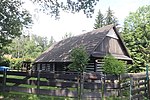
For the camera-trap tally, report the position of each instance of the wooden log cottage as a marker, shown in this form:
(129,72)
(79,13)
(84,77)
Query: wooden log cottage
(98,43)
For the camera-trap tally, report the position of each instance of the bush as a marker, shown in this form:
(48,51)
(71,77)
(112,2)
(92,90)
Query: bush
(15,63)
(28,59)
(4,62)
(113,66)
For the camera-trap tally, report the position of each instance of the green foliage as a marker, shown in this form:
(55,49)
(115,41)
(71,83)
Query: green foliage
(136,35)
(145,98)
(115,98)
(28,47)
(113,66)
(28,59)
(99,21)
(55,6)
(1,57)
(4,62)
(110,18)
(15,63)
(67,35)
(112,98)
(25,96)
(79,58)
(12,20)
(102,20)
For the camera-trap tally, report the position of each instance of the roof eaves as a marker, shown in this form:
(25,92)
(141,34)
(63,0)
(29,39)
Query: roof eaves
(121,41)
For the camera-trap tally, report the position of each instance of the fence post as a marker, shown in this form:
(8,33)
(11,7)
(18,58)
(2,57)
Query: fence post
(78,86)
(118,77)
(148,89)
(120,90)
(103,77)
(81,84)
(131,81)
(4,79)
(147,79)
(38,81)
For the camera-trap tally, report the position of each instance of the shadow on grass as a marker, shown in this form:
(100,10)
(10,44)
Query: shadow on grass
(24,96)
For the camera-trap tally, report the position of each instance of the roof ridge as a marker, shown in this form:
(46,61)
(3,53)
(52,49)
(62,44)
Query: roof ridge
(93,31)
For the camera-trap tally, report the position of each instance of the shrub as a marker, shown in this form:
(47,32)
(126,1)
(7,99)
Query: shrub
(113,66)
(15,63)
(4,62)
(28,59)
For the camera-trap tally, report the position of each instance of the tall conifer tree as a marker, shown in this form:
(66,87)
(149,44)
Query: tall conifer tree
(99,21)
(102,20)
(110,18)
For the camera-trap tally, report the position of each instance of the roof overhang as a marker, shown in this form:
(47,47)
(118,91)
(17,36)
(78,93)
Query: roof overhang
(117,56)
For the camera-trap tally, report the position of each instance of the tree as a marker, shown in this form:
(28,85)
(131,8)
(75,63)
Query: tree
(51,42)
(12,20)
(67,35)
(113,66)
(110,18)
(55,6)
(136,34)
(18,46)
(102,20)
(79,58)
(28,47)
(99,21)
(40,41)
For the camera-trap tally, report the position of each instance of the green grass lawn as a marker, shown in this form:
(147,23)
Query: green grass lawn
(25,96)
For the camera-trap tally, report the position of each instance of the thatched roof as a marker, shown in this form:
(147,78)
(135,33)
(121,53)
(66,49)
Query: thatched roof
(60,51)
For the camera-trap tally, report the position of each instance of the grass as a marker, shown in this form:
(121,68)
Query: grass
(16,77)
(25,96)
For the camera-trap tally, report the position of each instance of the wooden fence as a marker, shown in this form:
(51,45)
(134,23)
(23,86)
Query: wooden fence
(54,84)
(93,86)
(139,86)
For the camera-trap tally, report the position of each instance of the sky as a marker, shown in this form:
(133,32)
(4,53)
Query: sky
(46,26)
